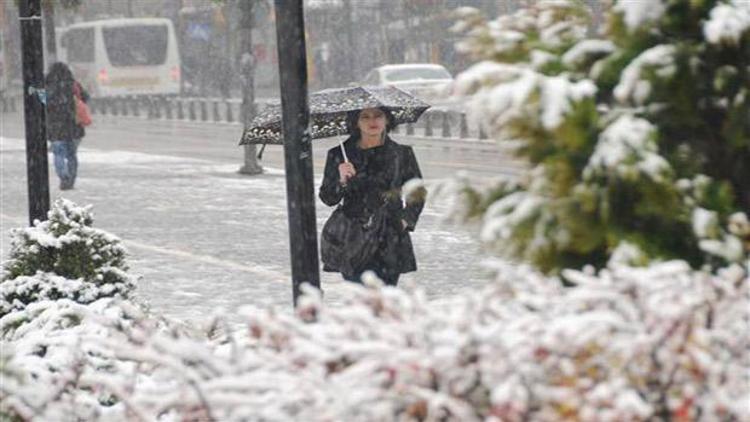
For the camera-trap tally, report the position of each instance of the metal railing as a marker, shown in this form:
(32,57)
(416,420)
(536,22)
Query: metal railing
(434,123)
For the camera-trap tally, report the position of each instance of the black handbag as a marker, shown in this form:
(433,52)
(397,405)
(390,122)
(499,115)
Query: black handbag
(348,244)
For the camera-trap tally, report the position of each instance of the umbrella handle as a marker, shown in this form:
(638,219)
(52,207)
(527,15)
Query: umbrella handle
(343,151)
(262,148)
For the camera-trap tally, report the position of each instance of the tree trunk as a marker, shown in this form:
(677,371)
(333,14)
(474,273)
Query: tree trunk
(247,78)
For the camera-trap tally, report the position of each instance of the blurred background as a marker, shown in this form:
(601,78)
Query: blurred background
(202,43)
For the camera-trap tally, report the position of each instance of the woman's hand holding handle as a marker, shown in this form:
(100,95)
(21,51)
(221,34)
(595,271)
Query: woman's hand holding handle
(346,172)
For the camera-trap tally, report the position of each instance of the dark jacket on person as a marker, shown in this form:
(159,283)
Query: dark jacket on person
(381,173)
(61,108)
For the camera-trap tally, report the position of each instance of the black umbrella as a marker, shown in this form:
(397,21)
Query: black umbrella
(329,109)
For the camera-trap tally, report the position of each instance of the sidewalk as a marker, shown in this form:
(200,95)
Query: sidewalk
(202,236)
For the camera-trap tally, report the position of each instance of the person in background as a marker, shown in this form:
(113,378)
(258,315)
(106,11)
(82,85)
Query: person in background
(365,176)
(63,131)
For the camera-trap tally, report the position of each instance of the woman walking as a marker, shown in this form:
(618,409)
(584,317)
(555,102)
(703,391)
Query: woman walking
(63,131)
(370,228)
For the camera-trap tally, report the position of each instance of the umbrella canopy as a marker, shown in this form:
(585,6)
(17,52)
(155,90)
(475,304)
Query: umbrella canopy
(329,109)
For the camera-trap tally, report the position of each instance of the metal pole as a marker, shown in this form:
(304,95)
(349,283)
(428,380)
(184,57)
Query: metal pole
(30,16)
(303,232)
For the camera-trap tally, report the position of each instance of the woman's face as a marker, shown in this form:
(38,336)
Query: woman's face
(371,122)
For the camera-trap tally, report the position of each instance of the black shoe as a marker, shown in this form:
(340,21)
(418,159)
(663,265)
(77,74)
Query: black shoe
(65,185)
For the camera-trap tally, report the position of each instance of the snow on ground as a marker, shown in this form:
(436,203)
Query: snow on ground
(203,237)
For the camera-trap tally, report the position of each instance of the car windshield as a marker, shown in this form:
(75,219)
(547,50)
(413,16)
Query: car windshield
(406,74)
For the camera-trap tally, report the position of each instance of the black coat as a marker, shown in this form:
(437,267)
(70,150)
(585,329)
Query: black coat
(61,108)
(381,172)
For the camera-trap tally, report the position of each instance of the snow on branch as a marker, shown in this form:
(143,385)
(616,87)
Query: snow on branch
(728,23)
(627,344)
(638,14)
(633,83)
(504,94)
(63,257)
(579,52)
(627,148)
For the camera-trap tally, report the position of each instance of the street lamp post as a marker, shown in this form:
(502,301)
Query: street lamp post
(303,236)
(30,16)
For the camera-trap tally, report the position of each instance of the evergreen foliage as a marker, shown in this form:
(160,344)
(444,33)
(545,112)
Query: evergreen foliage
(63,257)
(636,140)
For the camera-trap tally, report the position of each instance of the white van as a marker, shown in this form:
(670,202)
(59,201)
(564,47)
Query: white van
(112,57)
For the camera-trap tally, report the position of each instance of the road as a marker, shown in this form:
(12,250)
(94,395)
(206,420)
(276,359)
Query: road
(218,142)
(203,237)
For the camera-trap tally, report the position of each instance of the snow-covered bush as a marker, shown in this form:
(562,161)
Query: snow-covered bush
(663,343)
(63,257)
(628,137)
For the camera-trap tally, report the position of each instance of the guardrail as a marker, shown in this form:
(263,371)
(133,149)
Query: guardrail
(439,123)
(434,123)
(158,107)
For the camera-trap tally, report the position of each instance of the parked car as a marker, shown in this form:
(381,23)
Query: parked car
(426,80)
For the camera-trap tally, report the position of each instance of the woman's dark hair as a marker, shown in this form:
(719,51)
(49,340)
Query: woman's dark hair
(59,73)
(59,85)
(353,117)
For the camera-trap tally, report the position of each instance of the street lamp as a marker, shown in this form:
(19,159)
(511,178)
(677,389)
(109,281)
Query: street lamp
(30,16)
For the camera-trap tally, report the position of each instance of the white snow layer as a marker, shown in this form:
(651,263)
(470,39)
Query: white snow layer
(627,148)
(521,348)
(705,223)
(728,22)
(632,86)
(504,92)
(576,54)
(637,13)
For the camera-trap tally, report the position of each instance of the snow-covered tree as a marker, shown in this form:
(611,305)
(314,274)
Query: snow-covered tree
(663,343)
(63,257)
(638,141)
